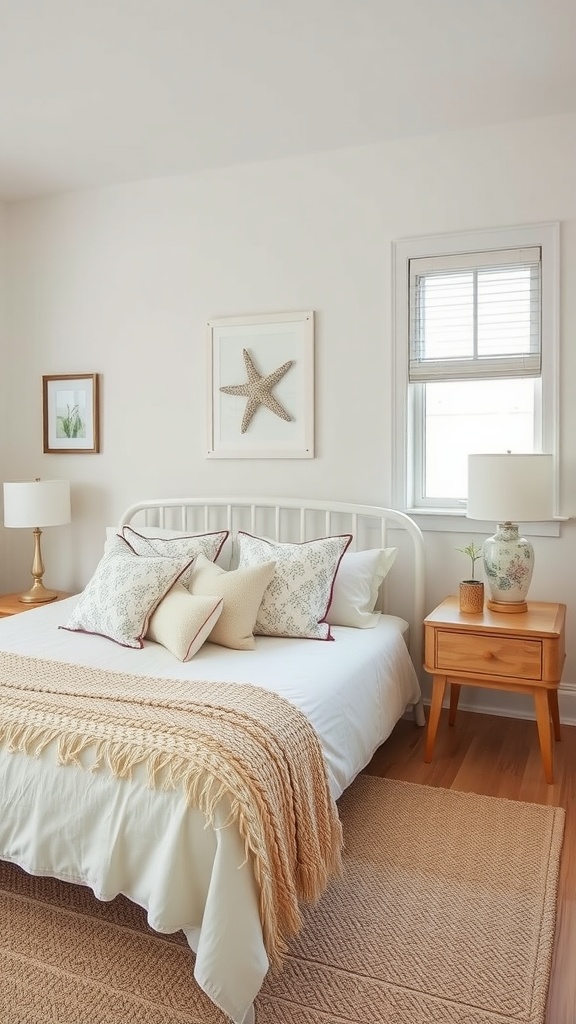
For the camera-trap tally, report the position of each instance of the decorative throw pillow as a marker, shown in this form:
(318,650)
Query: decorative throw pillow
(123,593)
(208,544)
(297,599)
(182,621)
(359,576)
(242,590)
(113,539)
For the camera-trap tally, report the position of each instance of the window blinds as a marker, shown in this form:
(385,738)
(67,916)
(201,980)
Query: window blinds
(475,315)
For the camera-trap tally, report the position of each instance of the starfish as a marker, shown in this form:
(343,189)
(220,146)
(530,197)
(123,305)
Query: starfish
(258,391)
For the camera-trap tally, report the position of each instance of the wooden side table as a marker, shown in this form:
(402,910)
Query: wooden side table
(523,653)
(10,605)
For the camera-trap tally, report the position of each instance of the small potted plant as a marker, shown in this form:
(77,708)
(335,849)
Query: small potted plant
(471,595)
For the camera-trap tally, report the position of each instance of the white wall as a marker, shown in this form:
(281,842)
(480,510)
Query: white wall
(4,384)
(122,280)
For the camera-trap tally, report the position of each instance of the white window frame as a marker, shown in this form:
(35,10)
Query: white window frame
(406,446)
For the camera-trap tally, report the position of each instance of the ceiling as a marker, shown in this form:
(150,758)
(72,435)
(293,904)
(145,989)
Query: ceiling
(100,91)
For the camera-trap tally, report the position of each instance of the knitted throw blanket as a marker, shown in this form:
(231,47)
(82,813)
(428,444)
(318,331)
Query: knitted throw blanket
(216,741)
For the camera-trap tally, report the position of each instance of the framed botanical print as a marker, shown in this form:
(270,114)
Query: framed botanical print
(70,413)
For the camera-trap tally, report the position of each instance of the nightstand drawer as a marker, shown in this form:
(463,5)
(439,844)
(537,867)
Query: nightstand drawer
(488,655)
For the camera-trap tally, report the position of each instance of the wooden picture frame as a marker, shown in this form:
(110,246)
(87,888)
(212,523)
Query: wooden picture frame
(70,413)
(247,419)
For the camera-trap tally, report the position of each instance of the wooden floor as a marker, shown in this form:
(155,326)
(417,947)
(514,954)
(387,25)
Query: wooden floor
(501,757)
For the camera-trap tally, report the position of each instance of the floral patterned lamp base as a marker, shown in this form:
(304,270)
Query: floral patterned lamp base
(508,564)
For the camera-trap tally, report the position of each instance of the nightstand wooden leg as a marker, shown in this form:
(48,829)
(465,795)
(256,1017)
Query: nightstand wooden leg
(438,689)
(554,712)
(454,698)
(544,732)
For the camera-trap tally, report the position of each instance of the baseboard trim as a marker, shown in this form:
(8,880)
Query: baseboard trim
(507,705)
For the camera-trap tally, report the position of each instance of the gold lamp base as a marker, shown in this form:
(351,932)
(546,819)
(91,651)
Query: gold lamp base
(507,606)
(37,595)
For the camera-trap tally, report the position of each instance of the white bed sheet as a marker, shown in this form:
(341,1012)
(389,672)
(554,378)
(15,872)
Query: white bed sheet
(117,836)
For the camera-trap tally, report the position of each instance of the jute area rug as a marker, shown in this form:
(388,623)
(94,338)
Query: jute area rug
(445,914)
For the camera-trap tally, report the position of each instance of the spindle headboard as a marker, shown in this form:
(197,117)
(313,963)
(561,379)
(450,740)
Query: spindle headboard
(297,519)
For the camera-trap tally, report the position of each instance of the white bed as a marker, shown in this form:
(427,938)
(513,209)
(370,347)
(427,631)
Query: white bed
(119,836)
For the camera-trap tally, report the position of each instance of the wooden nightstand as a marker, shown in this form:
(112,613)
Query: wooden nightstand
(522,652)
(10,605)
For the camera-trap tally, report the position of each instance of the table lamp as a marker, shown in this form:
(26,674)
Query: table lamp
(37,504)
(509,489)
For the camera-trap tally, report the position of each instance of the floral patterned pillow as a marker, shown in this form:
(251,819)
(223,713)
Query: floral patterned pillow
(297,599)
(207,544)
(123,593)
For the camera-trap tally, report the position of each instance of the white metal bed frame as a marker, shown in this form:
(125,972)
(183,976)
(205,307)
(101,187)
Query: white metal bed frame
(305,519)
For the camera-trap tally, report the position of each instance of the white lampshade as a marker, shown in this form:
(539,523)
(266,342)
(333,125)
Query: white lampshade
(510,488)
(37,503)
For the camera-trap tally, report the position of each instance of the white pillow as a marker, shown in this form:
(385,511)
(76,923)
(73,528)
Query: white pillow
(182,622)
(208,544)
(297,599)
(123,593)
(359,576)
(242,590)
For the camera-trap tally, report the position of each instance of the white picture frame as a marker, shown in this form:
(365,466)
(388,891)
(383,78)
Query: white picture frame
(243,349)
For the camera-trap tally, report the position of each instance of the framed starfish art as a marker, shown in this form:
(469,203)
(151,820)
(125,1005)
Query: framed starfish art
(261,387)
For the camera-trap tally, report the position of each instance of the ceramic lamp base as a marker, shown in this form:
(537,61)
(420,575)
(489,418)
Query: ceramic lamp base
(509,606)
(508,565)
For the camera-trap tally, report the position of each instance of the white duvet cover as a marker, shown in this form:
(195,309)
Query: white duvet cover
(118,836)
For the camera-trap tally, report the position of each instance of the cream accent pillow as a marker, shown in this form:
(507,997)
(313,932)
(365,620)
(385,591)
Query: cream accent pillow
(296,601)
(359,576)
(242,590)
(208,544)
(182,621)
(123,593)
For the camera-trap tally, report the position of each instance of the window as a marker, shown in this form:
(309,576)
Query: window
(476,355)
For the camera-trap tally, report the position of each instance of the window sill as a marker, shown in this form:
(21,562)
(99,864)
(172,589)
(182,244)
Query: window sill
(455,521)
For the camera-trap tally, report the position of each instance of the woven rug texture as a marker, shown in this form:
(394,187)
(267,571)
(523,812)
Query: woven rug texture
(445,915)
